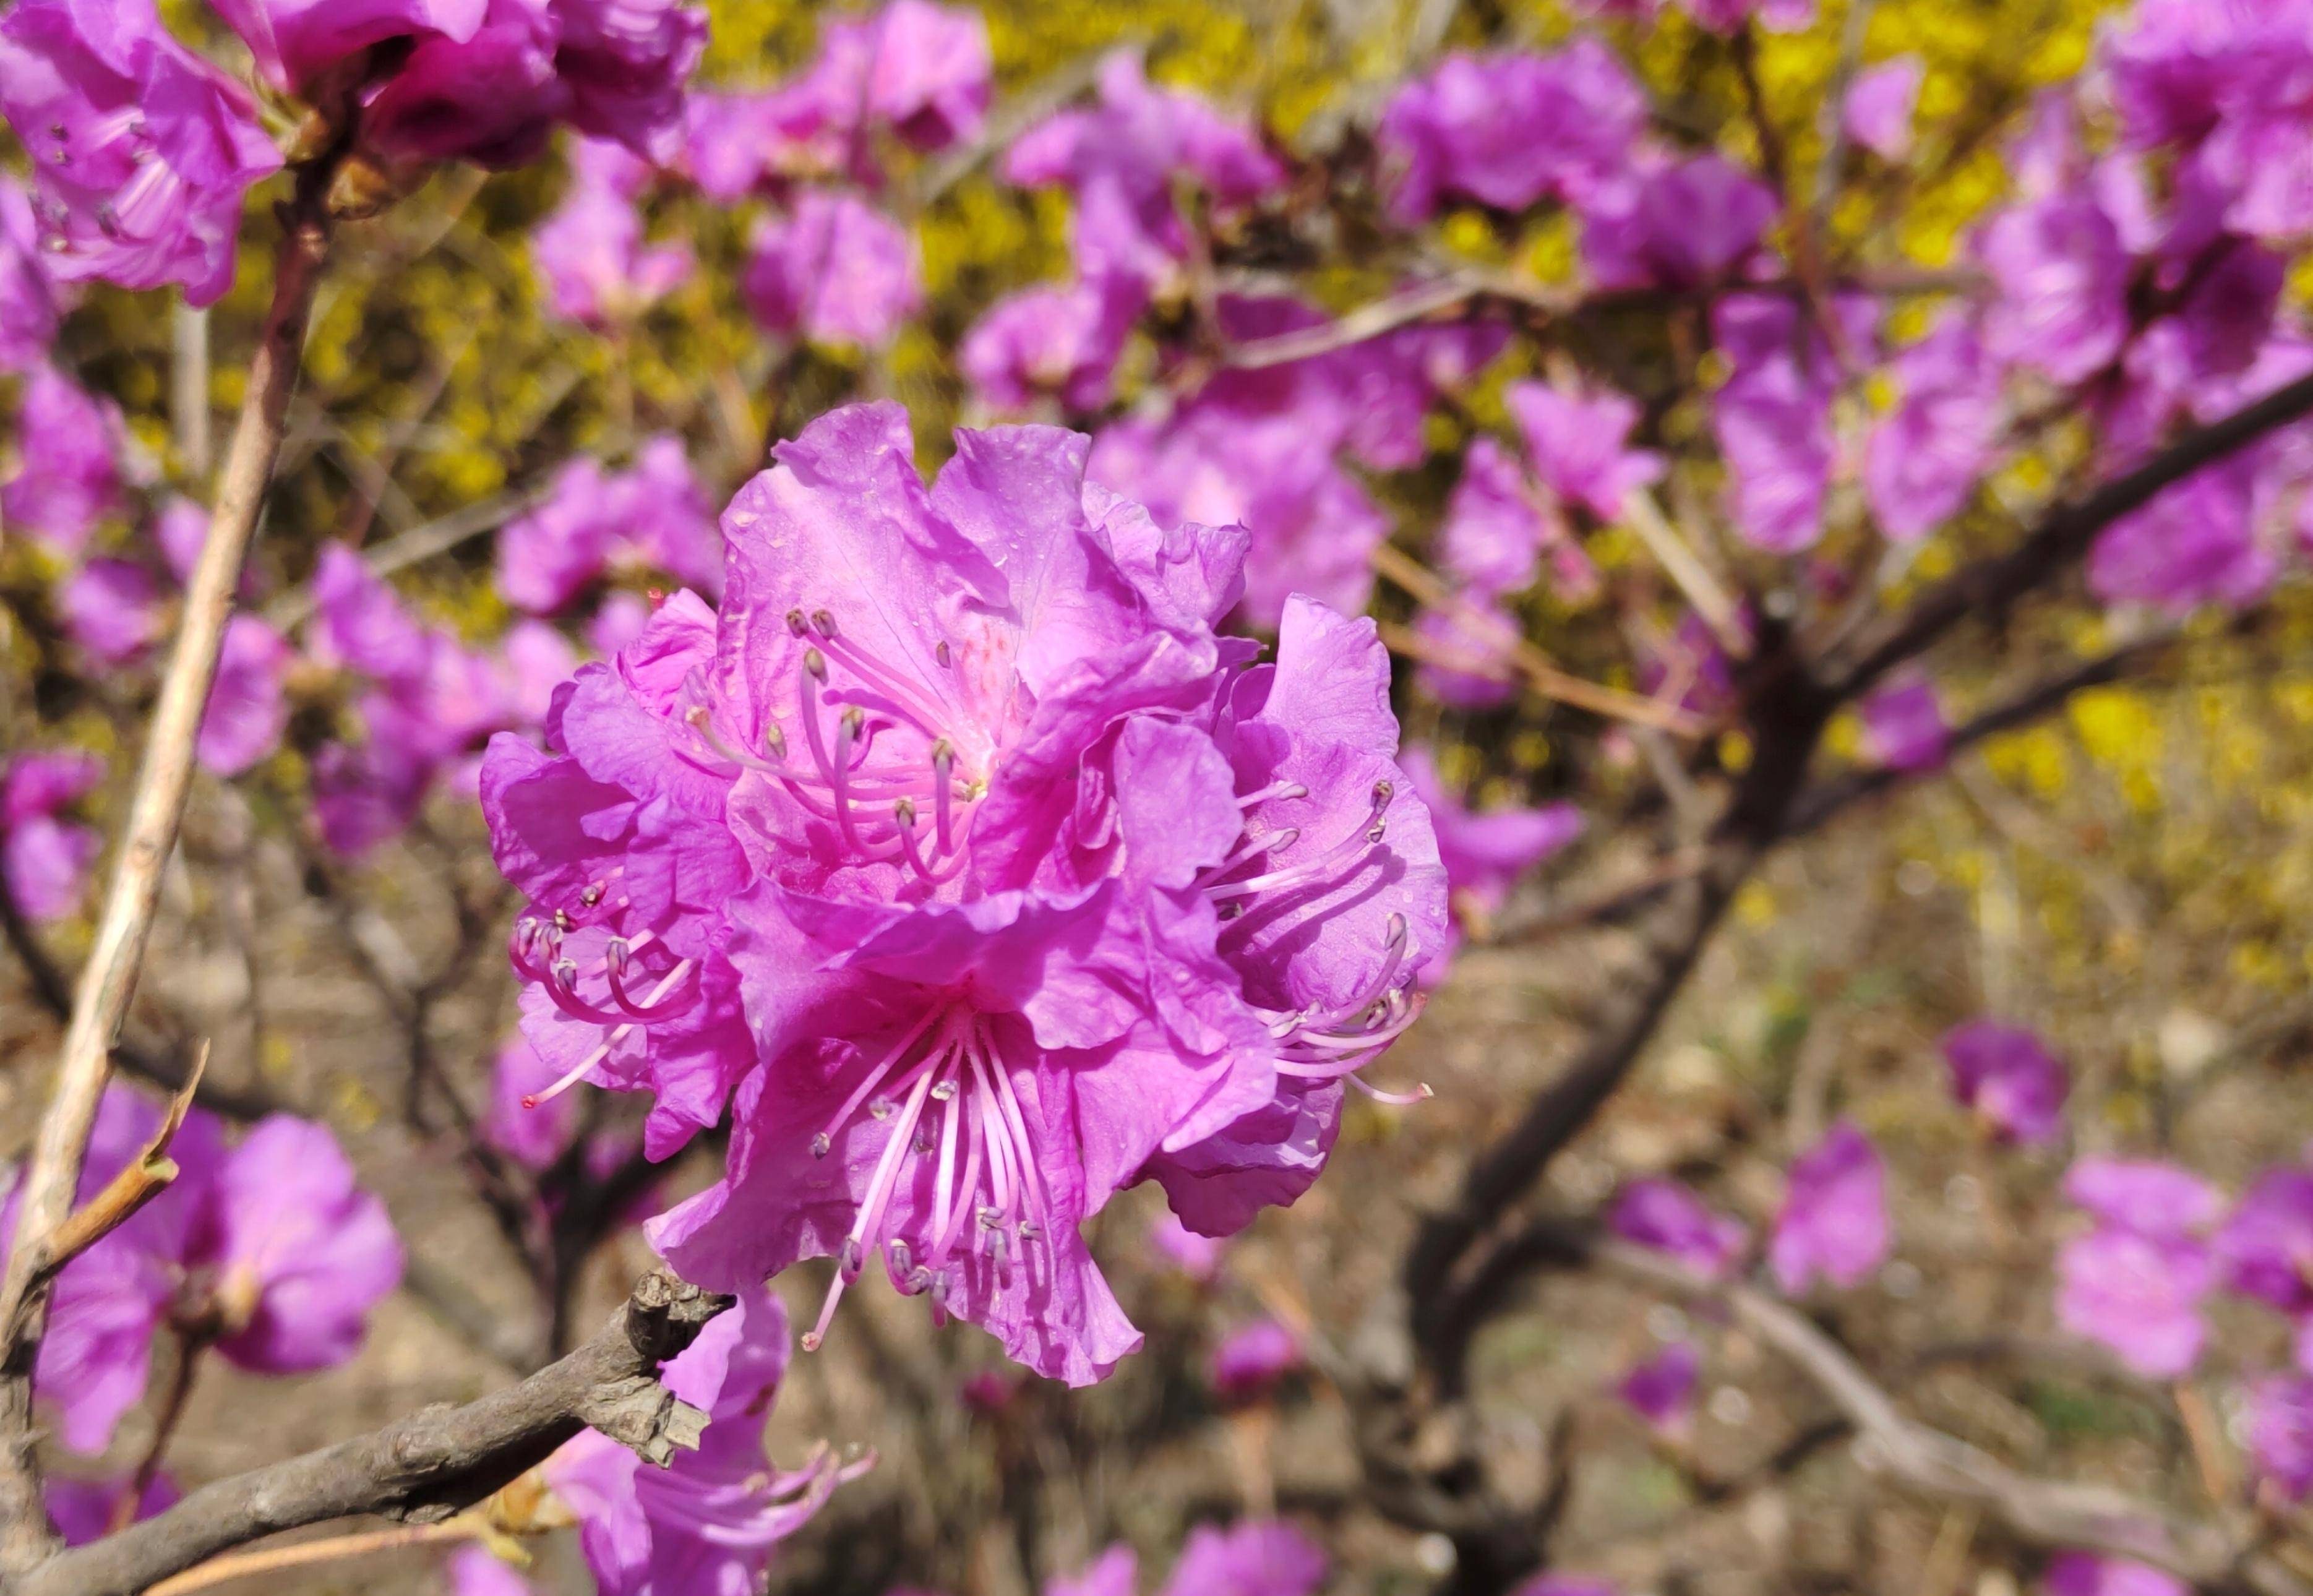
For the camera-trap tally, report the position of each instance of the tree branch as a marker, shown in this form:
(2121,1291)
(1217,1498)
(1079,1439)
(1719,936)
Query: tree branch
(427,1467)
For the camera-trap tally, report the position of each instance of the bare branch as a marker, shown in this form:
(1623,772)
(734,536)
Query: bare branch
(140,1180)
(430,1466)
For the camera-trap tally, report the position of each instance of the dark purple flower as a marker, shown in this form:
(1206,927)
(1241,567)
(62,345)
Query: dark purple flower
(295,1253)
(2078,1573)
(1052,340)
(623,64)
(709,1520)
(1834,1222)
(247,710)
(1661,1390)
(141,150)
(590,250)
(2009,1078)
(1673,223)
(112,609)
(2280,1433)
(1925,457)
(1249,1363)
(1578,445)
(1121,158)
(45,859)
(1506,129)
(30,302)
(296,41)
(1256,1558)
(834,269)
(71,444)
(1903,725)
(1877,114)
(1666,1216)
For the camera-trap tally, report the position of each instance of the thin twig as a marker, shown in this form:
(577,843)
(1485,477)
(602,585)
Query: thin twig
(1711,601)
(219,1571)
(139,1181)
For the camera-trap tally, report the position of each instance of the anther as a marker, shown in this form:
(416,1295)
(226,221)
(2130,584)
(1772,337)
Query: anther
(561,920)
(593,895)
(943,1091)
(943,654)
(816,662)
(854,718)
(1382,791)
(820,1144)
(883,1107)
(903,810)
(776,741)
(795,623)
(824,622)
(852,1260)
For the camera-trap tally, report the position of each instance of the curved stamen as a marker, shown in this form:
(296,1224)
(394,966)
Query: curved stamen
(562,986)
(1281,790)
(943,796)
(880,1186)
(825,1139)
(614,972)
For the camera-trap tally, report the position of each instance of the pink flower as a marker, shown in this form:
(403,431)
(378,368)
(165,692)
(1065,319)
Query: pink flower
(1486,853)
(1724,16)
(1491,540)
(30,301)
(71,444)
(623,64)
(1112,1573)
(83,1510)
(590,250)
(1673,223)
(1834,1222)
(2195,543)
(1506,129)
(1773,420)
(1119,159)
(296,41)
(1877,114)
(1197,1256)
(2061,276)
(1468,662)
(2078,1574)
(294,1252)
(709,1520)
(45,859)
(2280,1433)
(1251,1362)
(945,798)
(247,710)
(1661,1390)
(1052,340)
(528,1130)
(1666,1216)
(2009,1078)
(475,1571)
(539,658)
(1578,444)
(651,516)
(1925,457)
(2267,1245)
(1257,1557)
(359,623)
(835,269)
(112,609)
(1903,725)
(141,150)
(2135,1282)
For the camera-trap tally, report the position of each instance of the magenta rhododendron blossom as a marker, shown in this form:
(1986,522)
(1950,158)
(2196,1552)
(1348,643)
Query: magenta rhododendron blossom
(70,444)
(835,270)
(2266,1245)
(1878,111)
(1467,653)
(475,1571)
(296,41)
(598,271)
(709,1520)
(1925,457)
(1062,341)
(44,858)
(111,608)
(359,623)
(1121,158)
(1256,1558)
(141,150)
(1579,445)
(2009,1078)
(1903,725)
(1665,222)
(1506,129)
(1834,1223)
(1030,887)
(1490,541)
(294,1252)
(652,516)
(2280,1410)
(1197,1256)
(2195,543)
(2079,1573)
(528,1129)
(2060,276)
(2135,1282)
(1773,417)
(1667,1217)
(1661,1390)
(1249,1363)
(248,710)
(1724,16)
(83,1510)
(31,300)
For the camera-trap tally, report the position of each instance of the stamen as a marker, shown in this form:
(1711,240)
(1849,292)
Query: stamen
(1280,790)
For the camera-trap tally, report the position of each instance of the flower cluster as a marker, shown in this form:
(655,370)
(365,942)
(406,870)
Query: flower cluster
(987,876)
(266,1251)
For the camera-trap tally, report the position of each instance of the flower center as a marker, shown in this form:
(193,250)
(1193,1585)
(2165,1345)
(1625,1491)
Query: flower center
(623,983)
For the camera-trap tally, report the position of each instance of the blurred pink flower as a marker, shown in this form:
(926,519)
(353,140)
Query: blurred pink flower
(1062,340)
(1925,457)
(1903,725)
(1667,1217)
(1579,445)
(45,859)
(247,710)
(2135,1282)
(1254,1558)
(2078,1573)
(2008,1077)
(30,301)
(1834,1222)
(590,250)
(834,269)
(1251,1362)
(1661,1390)
(111,608)
(70,444)
(1877,113)
(1506,129)
(2279,1408)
